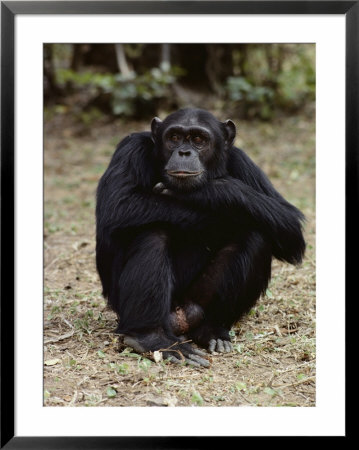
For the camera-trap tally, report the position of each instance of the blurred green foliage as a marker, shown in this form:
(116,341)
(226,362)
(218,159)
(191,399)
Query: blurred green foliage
(127,93)
(259,81)
(296,82)
(257,98)
(275,77)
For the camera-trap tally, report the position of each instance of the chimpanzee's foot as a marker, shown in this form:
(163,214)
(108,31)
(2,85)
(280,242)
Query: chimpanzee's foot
(171,347)
(214,339)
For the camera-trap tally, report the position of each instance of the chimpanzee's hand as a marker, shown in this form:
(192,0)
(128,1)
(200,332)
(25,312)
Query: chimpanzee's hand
(160,188)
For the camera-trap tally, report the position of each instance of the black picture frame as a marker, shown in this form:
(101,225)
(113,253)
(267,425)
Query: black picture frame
(9,10)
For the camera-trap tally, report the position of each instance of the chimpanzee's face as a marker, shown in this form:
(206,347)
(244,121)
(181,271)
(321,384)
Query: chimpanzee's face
(189,143)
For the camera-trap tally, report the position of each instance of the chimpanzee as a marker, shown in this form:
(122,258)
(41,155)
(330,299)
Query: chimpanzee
(187,226)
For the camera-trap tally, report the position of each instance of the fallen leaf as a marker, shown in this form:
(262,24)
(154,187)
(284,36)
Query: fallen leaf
(52,362)
(157,356)
(111,393)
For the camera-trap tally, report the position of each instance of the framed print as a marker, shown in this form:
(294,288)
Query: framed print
(281,80)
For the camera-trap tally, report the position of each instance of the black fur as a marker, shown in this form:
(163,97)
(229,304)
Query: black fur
(210,243)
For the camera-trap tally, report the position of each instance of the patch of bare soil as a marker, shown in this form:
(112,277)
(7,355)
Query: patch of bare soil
(85,364)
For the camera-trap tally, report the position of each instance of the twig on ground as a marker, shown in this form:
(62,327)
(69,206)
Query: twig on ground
(297,383)
(59,338)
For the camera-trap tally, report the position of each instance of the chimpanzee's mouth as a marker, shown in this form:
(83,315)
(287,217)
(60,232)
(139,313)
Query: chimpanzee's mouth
(183,173)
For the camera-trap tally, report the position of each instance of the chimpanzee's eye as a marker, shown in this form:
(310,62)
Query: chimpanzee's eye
(174,140)
(198,141)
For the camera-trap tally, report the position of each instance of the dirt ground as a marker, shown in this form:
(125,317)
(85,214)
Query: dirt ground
(273,362)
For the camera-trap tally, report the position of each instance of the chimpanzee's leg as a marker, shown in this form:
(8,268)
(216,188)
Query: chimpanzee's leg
(141,296)
(144,286)
(228,287)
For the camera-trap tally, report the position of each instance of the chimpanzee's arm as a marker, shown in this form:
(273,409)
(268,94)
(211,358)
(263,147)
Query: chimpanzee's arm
(277,218)
(246,191)
(135,209)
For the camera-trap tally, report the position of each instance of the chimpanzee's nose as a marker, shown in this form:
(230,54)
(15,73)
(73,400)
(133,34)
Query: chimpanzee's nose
(184,152)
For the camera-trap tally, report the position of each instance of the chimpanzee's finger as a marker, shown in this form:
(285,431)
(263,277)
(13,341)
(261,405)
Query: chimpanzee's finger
(228,347)
(198,352)
(203,362)
(192,363)
(158,188)
(212,345)
(220,347)
(174,360)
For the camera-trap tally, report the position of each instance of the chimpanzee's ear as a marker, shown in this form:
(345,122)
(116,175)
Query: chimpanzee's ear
(156,122)
(230,130)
